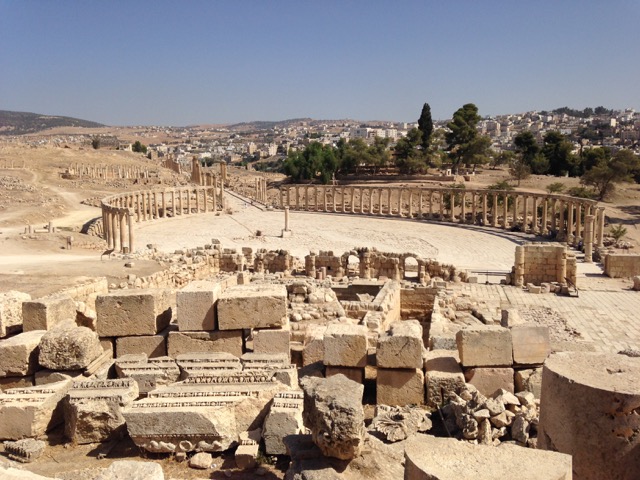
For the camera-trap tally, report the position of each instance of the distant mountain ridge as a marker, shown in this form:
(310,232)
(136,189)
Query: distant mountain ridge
(20,123)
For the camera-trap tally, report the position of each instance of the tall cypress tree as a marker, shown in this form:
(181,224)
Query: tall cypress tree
(425,124)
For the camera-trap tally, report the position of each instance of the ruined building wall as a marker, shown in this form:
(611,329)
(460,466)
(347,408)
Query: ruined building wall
(544,263)
(621,265)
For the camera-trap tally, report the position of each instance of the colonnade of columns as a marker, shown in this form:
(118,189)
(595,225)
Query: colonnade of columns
(111,171)
(120,212)
(261,190)
(566,217)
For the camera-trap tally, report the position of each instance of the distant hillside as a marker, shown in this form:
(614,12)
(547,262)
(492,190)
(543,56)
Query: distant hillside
(19,123)
(264,125)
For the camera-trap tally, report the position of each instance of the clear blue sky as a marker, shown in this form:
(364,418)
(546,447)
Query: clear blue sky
(187,62)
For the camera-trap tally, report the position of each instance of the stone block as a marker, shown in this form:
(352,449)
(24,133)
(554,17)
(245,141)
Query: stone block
(345,345)
(313,345)
(93,409)
(207,364)
(272,341)
(17,382)
(148,373)
(284,418)
(531,344)
(69,347)
(31,411)
(11,312)
(151,345)
(433,458)
(485,346)
(131,470)
(195,306)
(133,312)
(529,380)
(443,375)
(352,373)
(19,354)
(399,387)
(46,376)
(229,341)
(43,313)
(487,380)
(252,306)
(401,346)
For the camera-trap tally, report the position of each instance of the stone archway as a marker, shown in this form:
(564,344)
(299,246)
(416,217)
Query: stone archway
(353,266)
(411,268)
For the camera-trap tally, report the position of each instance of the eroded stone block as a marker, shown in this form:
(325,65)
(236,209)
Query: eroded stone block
(19,354)
(443,375)
(133,312)
(229,341)
(284,418)
(148,373)
(352,373)
(401,346)
(485,346)
(207,364)
(399,387)
(272,341)
(487,379)
(252,306)
(151,345)
(69,347)
(195,305)
(43,313)
(11,312)
(345,345)
(531,344)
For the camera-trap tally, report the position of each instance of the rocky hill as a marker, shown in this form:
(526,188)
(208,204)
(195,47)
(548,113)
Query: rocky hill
(20,123)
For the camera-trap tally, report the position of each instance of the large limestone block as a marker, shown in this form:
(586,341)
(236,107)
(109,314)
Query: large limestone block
(352,373)
(528,380)
(284,418)
(19,354)
(10,473)
(313,344)
(485,346)
(434,458)
(69,347)
(44,313)
(345,345)
(132,470)
(195,305)
(31,411)
(531,344)
(589,410)
(333,412)
(17,382)
(133,312)
(272,341)
(401,346)
(252,306)
(229,341)
(488,380)
(93,409)
(443,376)
(151,345)
(399,387)
(11,312)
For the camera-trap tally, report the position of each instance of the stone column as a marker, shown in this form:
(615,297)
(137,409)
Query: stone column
(505,223)
(282,197)
(400,206)
(122,232)
(316,195)
(474,208)
(452,205)
(494,213)
(588,238)
(205,192)
(570,228)
(214,197)
(108,229)
(144,206)
(131,238)
(156,205)
(197,191)
(137,194)
(561,231)
(600,229)
(485,220)
(516,204)
(518,279)
(370,190)
(352,194)
(534,216)
(463,208)
(297,190)
(420,207)
(286,219)
(333,191)
(114,228)
(441,194)
(173,202)
(431,192)
(578,234)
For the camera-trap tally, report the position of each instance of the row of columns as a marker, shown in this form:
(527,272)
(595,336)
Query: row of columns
(538,214)
(120,212)
(261,189)
(115,172)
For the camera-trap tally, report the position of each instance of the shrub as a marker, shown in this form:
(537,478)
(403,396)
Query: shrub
(555,187)
(581,192)
(618,232)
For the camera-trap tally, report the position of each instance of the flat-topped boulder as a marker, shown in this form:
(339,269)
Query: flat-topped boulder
(433,458)
(93,409)
(19,354)
(133,312)
(195,305)
(334,413)
(252,306)
(589,410)
(31,411)
(11,312)
(69,347)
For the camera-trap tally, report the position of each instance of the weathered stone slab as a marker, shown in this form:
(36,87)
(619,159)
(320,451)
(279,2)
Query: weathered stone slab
(401,346)
(252,306)
(19,354)
(17,382)
(485,346)
(196,306)
(11,312)
(43,313)
(252,360)
(352,373)
(399,387)
(93,409)
(313,350)
(26,450)
(203,364)
(284,418)
(69,347)
(151,345)
(229,341)
(345,345)
(31,411)
(433,458)
(132,470)
(272,341)
(46,376)
(333,412)
(531,344)
(10,473)
(443,375)
(149,374)
(133,312)
(487,380)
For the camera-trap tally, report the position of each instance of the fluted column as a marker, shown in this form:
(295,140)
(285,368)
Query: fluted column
(562,229)
(297,190)
(156,204)
(516,204)
(108,229)
(343,191)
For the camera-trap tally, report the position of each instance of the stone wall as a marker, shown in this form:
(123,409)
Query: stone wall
(621,265)
(538,263)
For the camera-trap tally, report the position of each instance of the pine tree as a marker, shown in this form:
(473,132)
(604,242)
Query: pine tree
(425,124)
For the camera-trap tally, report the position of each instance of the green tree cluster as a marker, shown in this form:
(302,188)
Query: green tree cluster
(607,171)
(316,161)
(139,147)
(466,146)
